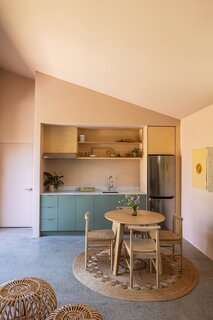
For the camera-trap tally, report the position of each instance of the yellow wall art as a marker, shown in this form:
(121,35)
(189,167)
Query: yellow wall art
(199,159)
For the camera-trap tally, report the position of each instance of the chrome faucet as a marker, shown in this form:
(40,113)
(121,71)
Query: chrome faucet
(110,183)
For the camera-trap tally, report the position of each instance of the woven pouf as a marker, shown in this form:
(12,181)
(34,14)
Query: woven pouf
(26,298)
(75,312)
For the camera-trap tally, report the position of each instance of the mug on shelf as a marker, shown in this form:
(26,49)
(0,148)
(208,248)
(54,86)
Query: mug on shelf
(82,137)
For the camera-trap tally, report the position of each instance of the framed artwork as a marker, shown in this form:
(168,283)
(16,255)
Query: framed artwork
(199,167)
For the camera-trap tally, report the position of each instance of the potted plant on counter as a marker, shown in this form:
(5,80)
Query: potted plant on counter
(52,181)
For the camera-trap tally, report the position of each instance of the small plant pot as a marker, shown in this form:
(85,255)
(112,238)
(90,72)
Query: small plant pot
(51,188)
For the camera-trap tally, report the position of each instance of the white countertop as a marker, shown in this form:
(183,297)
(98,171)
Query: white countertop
(98,191)
(73,192)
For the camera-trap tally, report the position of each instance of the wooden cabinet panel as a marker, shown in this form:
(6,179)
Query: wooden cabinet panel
(60,139)
(66,213)
(83,204)
(161,140)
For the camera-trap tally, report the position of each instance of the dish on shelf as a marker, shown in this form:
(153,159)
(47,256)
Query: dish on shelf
(86,189)
(92,155)
(102,151)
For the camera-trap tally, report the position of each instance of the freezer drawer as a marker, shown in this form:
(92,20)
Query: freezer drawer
(164,206)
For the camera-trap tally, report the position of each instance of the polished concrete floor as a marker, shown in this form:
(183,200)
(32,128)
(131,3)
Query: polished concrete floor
(51,258)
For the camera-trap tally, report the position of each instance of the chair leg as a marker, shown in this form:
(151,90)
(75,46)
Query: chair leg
(111,254)
(160,268)
(125,261)
(157,271)
(181,255)
(86,254)
(86,257)
(173,251)
(150,265)
(131,272)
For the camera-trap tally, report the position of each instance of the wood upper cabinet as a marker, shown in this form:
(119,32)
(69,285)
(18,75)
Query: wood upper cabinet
(60,139)
(161,140)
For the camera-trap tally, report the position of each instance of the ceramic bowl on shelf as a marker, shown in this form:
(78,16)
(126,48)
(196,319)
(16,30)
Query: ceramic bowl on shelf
(92,155)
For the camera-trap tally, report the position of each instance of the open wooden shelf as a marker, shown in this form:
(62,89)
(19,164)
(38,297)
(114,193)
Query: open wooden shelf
(109,158)
(110,142)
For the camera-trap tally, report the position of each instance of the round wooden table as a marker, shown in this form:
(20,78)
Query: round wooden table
(120,218)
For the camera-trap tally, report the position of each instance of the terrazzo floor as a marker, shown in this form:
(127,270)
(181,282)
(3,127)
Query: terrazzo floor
(51,258)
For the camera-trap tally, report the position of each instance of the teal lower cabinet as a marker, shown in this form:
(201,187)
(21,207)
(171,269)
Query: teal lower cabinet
(142,204)
(66,213)
(102,204)
(117,201)
(83,204)
(49,213)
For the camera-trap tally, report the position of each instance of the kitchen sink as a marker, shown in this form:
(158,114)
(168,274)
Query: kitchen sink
(109,191)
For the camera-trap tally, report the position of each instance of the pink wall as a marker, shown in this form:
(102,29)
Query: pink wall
(197,204)
(60,102)
(17,108)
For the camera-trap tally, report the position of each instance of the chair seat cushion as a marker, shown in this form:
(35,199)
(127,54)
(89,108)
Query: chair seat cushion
(101,235)
(141,245)
(167,235)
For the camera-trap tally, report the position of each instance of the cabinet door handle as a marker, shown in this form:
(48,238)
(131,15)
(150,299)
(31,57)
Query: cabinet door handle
(50,218)
(50,207)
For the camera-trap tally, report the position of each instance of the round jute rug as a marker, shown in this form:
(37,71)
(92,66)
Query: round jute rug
(173,283)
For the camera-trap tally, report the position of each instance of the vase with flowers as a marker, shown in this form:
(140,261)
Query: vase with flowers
(133,201)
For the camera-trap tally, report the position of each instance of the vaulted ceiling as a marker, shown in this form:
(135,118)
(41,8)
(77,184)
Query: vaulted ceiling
(156,54)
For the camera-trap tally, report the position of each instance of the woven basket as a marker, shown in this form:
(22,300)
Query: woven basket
(27,298)
(75,312)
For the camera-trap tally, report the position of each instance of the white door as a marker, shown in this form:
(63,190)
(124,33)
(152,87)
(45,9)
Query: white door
(16,180)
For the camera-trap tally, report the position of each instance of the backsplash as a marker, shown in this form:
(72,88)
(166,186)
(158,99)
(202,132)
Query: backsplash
(96,172)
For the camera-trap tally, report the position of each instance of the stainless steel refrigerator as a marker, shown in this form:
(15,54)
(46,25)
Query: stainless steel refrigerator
(161,188)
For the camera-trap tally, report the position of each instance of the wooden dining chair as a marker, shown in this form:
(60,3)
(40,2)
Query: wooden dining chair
(98,238)
(143,248)
(171,238)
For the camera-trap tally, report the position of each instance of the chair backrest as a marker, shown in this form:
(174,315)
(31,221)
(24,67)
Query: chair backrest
(152,231)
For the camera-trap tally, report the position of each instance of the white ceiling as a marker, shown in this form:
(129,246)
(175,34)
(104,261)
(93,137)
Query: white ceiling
(155,53)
